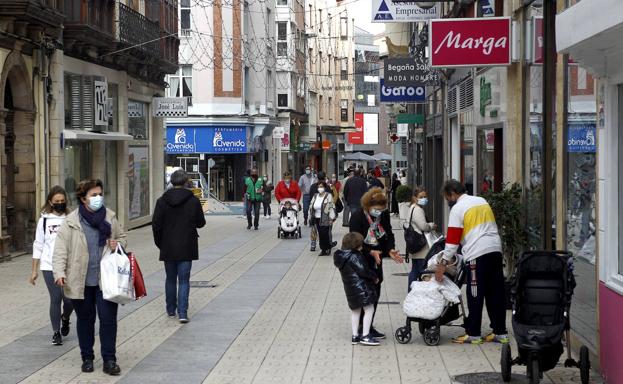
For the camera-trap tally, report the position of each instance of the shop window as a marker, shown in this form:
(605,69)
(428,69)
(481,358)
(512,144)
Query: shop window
(138,120)
(185,17)
(77,164)
(282,38)
(138,181)
(344,110)
(87,97)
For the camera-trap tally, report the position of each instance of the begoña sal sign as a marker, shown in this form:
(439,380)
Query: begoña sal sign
(470,42)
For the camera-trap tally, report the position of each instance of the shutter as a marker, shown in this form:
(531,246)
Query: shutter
(452,101)
(87,102)
(76,102)
(467,93)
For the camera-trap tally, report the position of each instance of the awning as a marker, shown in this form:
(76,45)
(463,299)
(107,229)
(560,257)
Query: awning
(78,134)
(383,156)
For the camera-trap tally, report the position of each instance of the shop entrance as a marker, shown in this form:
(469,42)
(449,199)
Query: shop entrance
(490,160)
(17,143)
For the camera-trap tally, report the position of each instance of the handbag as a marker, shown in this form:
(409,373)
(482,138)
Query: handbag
(414,240)
(339,206)
(137,277)
(116,276)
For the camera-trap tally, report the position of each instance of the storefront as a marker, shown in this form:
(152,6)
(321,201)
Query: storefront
(585,42)
(229,146)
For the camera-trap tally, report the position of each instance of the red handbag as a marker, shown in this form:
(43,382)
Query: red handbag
(137,277)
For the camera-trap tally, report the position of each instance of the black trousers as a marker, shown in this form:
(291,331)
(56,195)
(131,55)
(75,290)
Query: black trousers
(324,237)
(485,283)
(255,206)
(266,205)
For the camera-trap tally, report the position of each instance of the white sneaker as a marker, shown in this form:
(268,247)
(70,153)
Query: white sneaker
(268,217)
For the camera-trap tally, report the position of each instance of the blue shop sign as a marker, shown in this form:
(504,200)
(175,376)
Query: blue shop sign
(206,139)
(404,94)
(581,138)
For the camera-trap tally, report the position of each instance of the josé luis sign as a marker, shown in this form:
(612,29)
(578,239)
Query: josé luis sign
(470,42)
(403,94)
(206,140)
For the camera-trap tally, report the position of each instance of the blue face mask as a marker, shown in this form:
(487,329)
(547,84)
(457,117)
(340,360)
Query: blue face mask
(96,202)
(376,212)
(423,201)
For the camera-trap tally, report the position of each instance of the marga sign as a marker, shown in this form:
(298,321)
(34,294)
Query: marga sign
(470,42)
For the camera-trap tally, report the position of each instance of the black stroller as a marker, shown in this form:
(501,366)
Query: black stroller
(430,329)
(541,297)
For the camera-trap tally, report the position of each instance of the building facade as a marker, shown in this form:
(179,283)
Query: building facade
(77,85)
(227,73)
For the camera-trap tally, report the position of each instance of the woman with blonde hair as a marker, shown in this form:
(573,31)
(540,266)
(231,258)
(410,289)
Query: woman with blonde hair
(372,221)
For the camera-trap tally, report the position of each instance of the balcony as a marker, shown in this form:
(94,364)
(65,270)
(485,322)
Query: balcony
(136,31)
(27,18)
(89,24)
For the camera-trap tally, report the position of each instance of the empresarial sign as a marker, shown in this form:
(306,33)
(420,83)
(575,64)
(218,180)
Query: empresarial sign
(400,11)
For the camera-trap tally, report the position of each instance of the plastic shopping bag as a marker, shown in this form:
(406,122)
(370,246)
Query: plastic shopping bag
(116,277)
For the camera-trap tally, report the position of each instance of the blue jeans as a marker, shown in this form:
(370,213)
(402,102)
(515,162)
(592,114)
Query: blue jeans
(177,299)
(306,201)
(417,266)
(107,312)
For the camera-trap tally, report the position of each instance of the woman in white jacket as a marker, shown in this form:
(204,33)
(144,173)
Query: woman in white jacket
(418,221)
(53,215)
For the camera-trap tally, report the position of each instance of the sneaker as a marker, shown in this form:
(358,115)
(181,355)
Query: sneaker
(111,368)
(65,325)
(87,365)
(369,340)
(466,339)
(268,217)
(376,334)
(355,339)
(57,339)
(184,319)
(312,249)
(492,337)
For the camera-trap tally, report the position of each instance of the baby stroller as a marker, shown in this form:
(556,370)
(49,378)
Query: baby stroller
(430,329)
(289,219)
(541,297)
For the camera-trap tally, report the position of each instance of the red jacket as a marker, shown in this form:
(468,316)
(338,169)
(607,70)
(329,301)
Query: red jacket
(283,192)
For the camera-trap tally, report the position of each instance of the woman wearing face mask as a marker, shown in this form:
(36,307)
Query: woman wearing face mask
(53,215)
(287,188)
(373,223)
(418,221)
(322,213)
(78,251)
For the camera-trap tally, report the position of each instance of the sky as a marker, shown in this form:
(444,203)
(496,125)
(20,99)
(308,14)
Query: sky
(362,12)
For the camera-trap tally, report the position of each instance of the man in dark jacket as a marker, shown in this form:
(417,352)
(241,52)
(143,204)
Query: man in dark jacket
(354,189)
(177,216)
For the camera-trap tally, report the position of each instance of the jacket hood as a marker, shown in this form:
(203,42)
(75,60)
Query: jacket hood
(340,257)
(177,196)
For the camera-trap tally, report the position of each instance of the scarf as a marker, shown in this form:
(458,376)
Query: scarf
(97,220)
(375,232)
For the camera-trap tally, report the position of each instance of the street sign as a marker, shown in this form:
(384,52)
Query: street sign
(400,11)
(470,42)
(409,118)
(407,71)
(403,94)
(170,106)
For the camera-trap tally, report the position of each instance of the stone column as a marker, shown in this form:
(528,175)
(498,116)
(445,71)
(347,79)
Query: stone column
(5,239)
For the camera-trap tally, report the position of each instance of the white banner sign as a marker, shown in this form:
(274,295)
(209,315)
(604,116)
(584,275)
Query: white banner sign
(170,107)
(397,11)
(278,133)
(101,103)
(402,130)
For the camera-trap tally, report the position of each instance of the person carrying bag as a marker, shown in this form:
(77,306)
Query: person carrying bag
(415,234)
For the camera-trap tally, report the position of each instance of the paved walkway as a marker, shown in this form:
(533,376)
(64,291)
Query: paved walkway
(277,315)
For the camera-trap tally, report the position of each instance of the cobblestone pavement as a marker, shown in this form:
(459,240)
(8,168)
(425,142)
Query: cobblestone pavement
(277,315)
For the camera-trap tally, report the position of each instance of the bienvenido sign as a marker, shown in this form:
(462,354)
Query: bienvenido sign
(470,42)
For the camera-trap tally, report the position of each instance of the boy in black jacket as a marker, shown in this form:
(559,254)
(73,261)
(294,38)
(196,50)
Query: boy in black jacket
(359,281)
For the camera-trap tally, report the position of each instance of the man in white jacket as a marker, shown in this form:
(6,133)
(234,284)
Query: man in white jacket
(472,225)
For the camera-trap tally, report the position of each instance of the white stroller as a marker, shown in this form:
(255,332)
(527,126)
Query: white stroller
(289,219)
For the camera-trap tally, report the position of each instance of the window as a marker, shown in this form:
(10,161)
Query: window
(77,164)
(185,17)
(320,20)
(282,2)
(282,38)
(181,84)
(344,110)
(138,120)
(138,184)
(344,27)
(282,100)
(330,62)
(330,108)
(344,69)
(80,103)
(321,107)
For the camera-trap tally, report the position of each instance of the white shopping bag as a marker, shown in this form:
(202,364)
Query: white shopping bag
(116,279)
(432,237)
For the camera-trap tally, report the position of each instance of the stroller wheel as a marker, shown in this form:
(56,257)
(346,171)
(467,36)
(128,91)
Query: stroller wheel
(278,233)
(585,365)
(506,362)
(421,327)
(432,336)
(534,371)
(403,335)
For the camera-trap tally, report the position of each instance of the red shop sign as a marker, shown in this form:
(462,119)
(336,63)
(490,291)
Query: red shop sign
(476,42)
(357,137)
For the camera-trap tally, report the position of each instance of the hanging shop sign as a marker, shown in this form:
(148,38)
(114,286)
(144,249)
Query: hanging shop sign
(367,129)
(402,94)
(399,11)
(581,138)
(170,106)
(100,102)
(408,71)
(206,140)
(470,42)
(486,8)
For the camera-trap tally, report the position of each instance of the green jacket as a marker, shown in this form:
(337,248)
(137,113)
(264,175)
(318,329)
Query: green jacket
(255,191)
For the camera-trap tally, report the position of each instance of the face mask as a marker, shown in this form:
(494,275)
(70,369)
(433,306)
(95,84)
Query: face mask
(376,212)
(423,201)
(321,190)
(96,202)
(307,171)
(59,207)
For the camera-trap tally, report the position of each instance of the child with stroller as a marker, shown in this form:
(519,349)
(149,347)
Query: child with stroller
(359,281)
(287,206)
